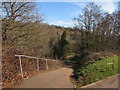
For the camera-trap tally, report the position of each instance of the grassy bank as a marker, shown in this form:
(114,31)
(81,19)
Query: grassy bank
(96,71)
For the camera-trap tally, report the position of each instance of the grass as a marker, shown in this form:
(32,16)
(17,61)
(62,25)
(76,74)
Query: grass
(96,71)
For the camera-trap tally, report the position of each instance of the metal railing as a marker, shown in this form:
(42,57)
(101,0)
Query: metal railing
(20,59)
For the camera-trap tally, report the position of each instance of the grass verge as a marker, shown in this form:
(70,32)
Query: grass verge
(98,70)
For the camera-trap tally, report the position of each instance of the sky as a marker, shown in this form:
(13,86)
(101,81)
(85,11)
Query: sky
(62,13)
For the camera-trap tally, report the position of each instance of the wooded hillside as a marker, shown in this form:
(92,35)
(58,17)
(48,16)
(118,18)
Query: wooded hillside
(95,33)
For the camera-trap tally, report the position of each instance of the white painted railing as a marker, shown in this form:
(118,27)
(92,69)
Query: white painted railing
(20,59)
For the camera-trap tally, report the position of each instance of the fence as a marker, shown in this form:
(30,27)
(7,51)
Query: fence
(37,61)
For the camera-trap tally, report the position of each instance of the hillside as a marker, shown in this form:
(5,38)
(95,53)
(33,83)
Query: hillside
(80,41)
(38,39)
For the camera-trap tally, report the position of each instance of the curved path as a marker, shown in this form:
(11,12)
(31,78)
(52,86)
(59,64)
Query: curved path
(59,78)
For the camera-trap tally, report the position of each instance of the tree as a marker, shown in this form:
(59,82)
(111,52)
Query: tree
(89,18)
(88,22)
(60,47)
(99,30)
(15,13)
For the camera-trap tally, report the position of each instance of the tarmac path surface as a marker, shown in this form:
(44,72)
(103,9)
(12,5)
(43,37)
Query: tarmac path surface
(59,78)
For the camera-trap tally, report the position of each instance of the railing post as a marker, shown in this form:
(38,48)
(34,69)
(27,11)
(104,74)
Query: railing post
(38,65)
(113,64)
(46,65)
(21,67)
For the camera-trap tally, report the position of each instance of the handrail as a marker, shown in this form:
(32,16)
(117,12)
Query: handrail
(26,56)
(34,57)
(20,59)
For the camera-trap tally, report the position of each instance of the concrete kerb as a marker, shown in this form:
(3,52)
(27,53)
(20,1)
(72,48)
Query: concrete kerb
(100,81)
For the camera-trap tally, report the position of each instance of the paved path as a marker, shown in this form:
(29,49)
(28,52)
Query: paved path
(111,82)
(53,79)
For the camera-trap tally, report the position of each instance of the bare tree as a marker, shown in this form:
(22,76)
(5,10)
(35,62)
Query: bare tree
(89,18)
(100,30)
(16,12)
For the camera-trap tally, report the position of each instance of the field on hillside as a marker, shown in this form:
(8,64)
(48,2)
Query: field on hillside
(96,71)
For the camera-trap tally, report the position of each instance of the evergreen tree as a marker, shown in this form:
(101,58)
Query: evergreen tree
(60,47)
